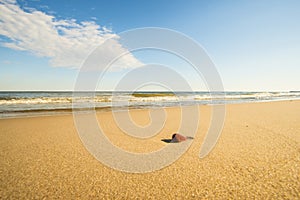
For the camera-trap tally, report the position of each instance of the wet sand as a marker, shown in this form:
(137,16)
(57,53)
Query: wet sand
(257,156)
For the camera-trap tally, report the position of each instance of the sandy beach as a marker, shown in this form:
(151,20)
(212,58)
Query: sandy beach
(257,156)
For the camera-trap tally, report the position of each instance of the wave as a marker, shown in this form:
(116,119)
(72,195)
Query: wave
(16,103)
(47,100)
(147,97)
(152,94)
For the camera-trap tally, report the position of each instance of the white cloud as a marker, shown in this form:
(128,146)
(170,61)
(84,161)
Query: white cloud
(66,42)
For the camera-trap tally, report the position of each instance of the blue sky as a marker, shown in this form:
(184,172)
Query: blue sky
(255,45)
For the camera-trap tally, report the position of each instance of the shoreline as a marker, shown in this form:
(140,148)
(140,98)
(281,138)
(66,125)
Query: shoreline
(69,111)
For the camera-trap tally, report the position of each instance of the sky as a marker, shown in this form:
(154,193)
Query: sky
(255,45)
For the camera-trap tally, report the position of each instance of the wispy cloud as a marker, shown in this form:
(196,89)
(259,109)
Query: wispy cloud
(66,42)
(7,62)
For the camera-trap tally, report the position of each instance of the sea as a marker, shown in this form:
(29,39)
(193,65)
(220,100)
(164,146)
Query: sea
(38,103)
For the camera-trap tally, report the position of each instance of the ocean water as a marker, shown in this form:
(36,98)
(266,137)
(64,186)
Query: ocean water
(16,104)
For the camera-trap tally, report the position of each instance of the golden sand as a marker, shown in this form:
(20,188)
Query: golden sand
(257,156)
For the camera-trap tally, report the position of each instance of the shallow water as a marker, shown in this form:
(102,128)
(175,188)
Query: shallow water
(13,104)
